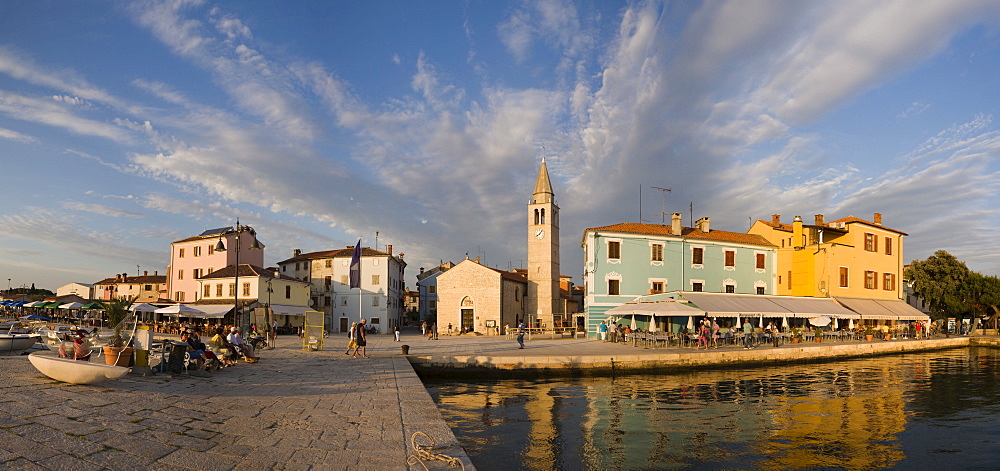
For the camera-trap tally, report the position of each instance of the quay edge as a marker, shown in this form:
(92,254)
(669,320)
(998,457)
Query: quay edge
(651,361)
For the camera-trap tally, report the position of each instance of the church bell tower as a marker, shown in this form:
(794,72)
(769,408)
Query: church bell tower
(543,306)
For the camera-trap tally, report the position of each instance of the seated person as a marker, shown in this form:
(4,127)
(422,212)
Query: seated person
(223,348)
(197,355)
(237,340)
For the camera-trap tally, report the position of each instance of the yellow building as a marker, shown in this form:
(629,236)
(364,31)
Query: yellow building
(849,257)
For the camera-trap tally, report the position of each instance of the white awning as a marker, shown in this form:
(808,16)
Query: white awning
(661,308)
(734,305)
(211,311)
(883,309)
(286,310)
(813,307)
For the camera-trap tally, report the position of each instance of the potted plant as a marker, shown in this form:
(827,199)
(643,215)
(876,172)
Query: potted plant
(869,333)
(796,335)
(818,333)
(116,352)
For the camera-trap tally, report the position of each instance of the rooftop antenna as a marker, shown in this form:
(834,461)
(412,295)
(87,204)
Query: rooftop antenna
(663,204)
(691,212)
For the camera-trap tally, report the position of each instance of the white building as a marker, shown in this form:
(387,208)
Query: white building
(83,290)
(427,287)
(380,299)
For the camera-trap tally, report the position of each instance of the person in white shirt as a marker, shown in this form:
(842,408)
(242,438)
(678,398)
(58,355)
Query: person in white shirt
(237,340)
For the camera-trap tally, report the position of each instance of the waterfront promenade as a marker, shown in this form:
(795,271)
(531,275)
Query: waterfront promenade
(300,409)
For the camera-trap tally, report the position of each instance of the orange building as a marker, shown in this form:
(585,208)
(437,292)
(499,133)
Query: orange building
(849,257)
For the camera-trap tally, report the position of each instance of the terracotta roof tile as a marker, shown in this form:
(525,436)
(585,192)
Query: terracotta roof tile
(245,270)
(345,252)
(852,219)
(686,232)
(145,279)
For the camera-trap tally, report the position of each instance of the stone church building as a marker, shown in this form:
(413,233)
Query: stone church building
(475,298)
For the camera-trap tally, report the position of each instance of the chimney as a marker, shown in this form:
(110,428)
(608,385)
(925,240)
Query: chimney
(775,219)
(118,277)
(154,272)
(703,224)
(124,277)
(388,248)
(797,236)
(145,273)
(675,224)
(878,218)
(297,252)
(421,270)
(819,219)
(477,258)
(350,246)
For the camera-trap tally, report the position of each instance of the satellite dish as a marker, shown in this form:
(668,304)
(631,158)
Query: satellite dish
(311,301)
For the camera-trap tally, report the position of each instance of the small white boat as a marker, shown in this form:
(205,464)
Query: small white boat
(15,344)
(75,371)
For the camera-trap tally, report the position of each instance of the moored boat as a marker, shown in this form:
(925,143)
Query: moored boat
(75,371)
(15,344)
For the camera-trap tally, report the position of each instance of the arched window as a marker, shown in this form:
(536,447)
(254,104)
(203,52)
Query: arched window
(467,302)
(543,216)
(536,216)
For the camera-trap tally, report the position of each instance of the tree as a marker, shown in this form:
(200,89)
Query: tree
(982,292)
(941,281)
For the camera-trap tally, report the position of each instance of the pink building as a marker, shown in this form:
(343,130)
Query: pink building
(196,256)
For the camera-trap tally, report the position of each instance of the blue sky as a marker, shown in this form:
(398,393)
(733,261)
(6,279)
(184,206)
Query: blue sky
(125,126)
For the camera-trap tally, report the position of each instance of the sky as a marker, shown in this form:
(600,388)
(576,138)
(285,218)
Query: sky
(125,126)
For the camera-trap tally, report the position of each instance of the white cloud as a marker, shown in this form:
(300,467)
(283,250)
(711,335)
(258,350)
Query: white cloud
(101,209)
(15,136)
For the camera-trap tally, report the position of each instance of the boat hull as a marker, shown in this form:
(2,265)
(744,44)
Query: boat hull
(15,344)
(75,371)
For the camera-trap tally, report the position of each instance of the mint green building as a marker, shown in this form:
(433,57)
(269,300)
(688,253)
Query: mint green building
(626,261)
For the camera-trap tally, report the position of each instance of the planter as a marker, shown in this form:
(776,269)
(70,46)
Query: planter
(118,356)
(818,339)
(869,337)
(796,339)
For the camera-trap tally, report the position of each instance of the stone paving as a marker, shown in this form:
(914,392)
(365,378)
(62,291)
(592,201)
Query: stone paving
(293,410)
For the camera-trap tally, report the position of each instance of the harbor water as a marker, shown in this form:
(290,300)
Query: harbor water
(936,410)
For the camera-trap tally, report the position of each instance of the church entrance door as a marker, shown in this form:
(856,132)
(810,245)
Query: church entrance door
(467,323)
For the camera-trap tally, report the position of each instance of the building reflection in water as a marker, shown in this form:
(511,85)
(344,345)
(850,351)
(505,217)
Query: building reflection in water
(847,415)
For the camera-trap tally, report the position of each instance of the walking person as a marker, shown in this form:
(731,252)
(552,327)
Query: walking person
(360,338)
(603,329)
(520,335)
(350,339)
(423,328)
(395,331)
(715,334)
(747,334)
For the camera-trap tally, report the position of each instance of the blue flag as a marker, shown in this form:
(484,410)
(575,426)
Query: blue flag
(356,266)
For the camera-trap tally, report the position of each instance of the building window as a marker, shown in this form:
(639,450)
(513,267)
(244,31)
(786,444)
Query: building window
(343,301)
(760,290)
(888,246)
(197,251)
(843,277)
(375,280)
(870,281)
(326,301)
(871,243)
(432,304)
(246,289)
(656,287)
(614,287)
(147,287)
(656,253)
(288,291)
(207,291)
(697,256)
(232,289)
(730,288)
(697,286)
(614,250)
(284,268)
(218,290)
(211,249)
(375,301)
(180,274)
(329,263)
(788,279)
(296,266)
(179,296)
(180,253)
(197,273)
(730,258)
(329,281)
(888,281)
(761,259)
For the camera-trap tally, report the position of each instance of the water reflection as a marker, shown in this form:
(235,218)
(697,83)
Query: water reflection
(886,412)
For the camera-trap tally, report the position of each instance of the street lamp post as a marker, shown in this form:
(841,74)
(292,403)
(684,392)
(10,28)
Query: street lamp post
(238,230)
